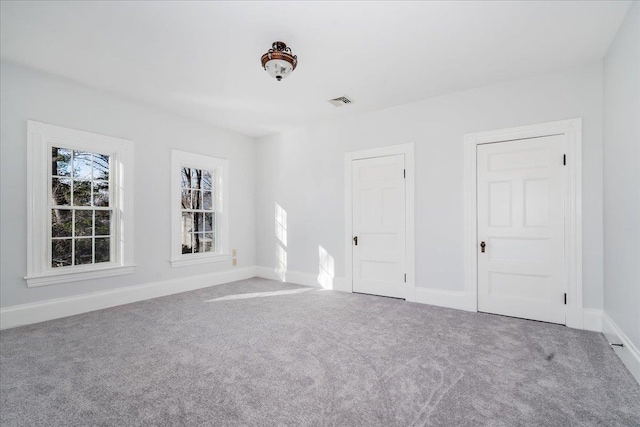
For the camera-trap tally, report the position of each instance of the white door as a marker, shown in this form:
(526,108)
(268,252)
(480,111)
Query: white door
(379,225)
(521,228)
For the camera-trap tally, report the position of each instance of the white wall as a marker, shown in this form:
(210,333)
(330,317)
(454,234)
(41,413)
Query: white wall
(27,94)
(302,171)
(622,177)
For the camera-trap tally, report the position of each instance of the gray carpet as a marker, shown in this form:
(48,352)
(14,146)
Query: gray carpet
(260,352)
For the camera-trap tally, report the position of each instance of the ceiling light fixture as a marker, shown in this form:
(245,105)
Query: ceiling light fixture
(278,61)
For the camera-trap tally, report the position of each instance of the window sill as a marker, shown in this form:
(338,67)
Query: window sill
(202,259)
(75,276)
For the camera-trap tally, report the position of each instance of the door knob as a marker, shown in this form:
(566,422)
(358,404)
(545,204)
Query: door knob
(355,240)
(482,246)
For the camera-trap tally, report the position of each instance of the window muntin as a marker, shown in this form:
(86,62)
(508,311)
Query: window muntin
(79,205)
(198,210)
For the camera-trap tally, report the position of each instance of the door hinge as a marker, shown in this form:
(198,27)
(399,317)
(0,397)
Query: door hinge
(565,298)
(404,173)
(564,159)
(405,277)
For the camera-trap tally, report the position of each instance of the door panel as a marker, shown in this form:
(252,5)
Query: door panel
(521,220)
(379,223)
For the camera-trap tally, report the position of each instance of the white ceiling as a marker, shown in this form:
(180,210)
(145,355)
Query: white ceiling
(202,59)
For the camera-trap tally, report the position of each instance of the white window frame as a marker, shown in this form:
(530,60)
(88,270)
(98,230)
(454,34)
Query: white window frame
(41,138)
(220,169)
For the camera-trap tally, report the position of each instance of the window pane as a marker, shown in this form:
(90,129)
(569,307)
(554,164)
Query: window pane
(187,222)
(82,163)
(207,180)
(205,242)
(84,223)
(196,199)
(102,250)
(185,175)
(103,223)
(187,229)
(81,193)
(187,244)
(84,251)
(100,193)
(209,242)
(198,240)
(207,200)
(61,222)
(186,199)
(198,225)
(208,222)
(60,253)
(100,166)
(61,191)
(61,161)
(196,178)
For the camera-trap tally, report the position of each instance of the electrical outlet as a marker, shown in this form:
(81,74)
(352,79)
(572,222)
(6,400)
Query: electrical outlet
(235,262)
(234,253)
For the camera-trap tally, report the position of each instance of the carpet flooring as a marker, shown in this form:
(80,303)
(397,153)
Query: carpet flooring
(259,352)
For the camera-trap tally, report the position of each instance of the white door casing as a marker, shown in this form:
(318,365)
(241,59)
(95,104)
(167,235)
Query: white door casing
(379,225)
(571,130)
(520,196)
(407,150)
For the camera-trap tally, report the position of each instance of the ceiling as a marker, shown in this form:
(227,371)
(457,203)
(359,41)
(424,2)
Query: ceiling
(202,59)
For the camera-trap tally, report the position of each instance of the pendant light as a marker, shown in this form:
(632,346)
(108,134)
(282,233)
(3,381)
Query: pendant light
(278,61)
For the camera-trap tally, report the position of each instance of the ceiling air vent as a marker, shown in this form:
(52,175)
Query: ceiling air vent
(340,101)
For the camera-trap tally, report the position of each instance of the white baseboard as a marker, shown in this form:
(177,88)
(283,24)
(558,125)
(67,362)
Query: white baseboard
(582,318)
(25,314)
(629,353)
(305,279)
(458,300)
(450,299)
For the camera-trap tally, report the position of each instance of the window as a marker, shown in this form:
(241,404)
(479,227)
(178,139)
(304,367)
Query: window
(198,213)
(80,212)
(79,205)
(199,218)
